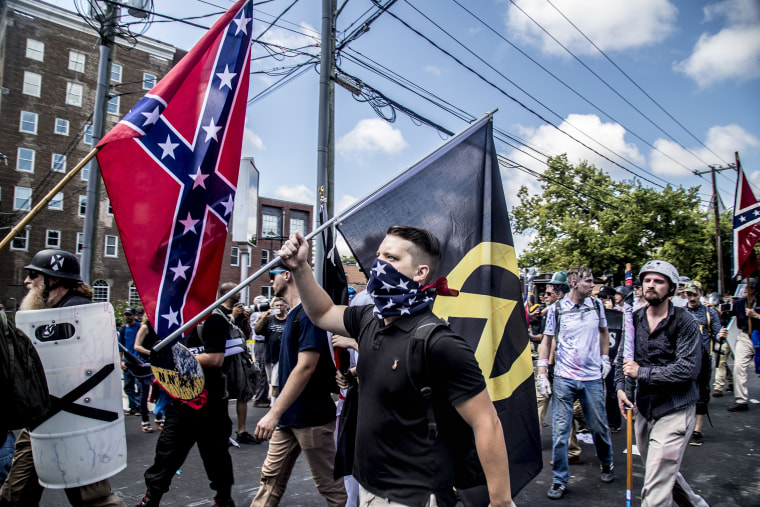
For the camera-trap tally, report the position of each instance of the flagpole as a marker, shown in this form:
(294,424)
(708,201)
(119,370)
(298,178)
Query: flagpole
(174,336)
(40,205)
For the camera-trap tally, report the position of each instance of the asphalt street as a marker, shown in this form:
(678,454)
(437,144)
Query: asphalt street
(725,470)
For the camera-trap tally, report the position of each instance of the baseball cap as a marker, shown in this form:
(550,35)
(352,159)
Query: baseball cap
(129,311)
(692,286)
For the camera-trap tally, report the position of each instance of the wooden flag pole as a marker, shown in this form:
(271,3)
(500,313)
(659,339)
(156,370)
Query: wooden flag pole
(40,205)
(629,456)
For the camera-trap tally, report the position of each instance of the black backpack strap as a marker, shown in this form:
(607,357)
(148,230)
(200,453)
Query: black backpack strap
(673,324)
(418,368)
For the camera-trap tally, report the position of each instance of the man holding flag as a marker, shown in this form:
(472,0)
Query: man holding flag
(402,464)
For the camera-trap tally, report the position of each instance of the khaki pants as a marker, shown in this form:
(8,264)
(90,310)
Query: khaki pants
(744,357)
(722,370)
(662,444)
(22,487)
(367,499)
(318,446)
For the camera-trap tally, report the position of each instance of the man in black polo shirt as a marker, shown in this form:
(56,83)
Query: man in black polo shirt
(397,462)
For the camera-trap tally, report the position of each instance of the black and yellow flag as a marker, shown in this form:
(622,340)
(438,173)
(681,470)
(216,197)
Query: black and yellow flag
(456,193)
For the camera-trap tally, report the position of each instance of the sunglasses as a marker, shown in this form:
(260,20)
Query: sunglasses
(549,293)
(33,274)
(275,271)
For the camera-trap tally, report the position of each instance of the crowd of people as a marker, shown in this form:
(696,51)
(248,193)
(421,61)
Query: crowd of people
(676,339)
(657,347)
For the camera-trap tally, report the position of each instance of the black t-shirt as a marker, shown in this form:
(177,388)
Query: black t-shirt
(394,459)
(215,335)
(272,333)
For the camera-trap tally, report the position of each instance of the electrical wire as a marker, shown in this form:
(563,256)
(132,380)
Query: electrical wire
(558,79)
(640,89)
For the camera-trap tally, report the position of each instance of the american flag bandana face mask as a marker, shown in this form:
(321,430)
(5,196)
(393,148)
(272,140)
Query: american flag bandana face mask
(394,293)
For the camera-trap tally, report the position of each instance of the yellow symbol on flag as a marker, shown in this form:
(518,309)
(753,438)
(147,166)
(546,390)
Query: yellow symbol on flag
(495,310)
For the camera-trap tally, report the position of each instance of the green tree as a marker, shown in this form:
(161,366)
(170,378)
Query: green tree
(583,217)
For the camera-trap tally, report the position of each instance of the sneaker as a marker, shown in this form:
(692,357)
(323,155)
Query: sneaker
(574,460)
(730,388)
(146,427)
(245,438)
(696,439)
(717,393)
(132,411)
(159,423)
(557,491)
(738,407)
(608,473)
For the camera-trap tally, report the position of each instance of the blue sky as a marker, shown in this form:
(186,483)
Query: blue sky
(699,60)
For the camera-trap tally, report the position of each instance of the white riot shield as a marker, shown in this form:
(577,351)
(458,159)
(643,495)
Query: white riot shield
(84,440)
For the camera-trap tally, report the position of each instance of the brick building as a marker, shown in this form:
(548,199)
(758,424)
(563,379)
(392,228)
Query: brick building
(48,74)
(276,221)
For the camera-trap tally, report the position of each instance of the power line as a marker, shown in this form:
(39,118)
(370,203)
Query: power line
(538,115)
(639,87)
(558,79)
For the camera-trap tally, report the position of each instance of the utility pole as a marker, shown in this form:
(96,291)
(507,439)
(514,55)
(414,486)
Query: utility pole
(714,169)
(324,176)
(98,123)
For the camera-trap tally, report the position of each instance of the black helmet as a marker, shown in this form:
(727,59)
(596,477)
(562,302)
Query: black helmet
(56,263)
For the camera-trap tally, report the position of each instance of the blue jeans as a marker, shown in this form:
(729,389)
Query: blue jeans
(130,382)
(6,455)
(591,395)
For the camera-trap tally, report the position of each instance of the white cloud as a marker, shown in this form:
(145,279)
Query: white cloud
(553,142)
(371,135)
(731,54)
(251,143)
(724,140)
(611,24)
(295,193)
(433,70)
(291,39)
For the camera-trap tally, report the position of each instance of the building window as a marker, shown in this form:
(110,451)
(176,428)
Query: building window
(235,256)
(61,127)
(87,138)
(134,296)
(25,160)
(271,222)
(28,122)
(84,174)
(32,84)
(115,73)
(149,81)
(58,163)
(264,257)
(298,221)
(74,93)
(113,105)
(111,246)
(22,199)
(35,50)
(21,242)
(80,242)
(53,239)
(101,291)
(109,208)
(56,202)
(267,291)
(76,61)
(82,205)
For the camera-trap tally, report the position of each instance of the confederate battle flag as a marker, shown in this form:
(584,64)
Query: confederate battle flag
(171,169)
(746,228)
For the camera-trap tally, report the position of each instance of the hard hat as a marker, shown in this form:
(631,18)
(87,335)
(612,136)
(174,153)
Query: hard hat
(560,278)
(56,263)
(663,268)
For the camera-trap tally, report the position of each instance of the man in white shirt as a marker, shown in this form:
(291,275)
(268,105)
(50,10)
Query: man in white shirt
(581,362)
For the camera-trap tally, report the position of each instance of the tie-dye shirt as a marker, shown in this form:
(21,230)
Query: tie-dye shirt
(578,356)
